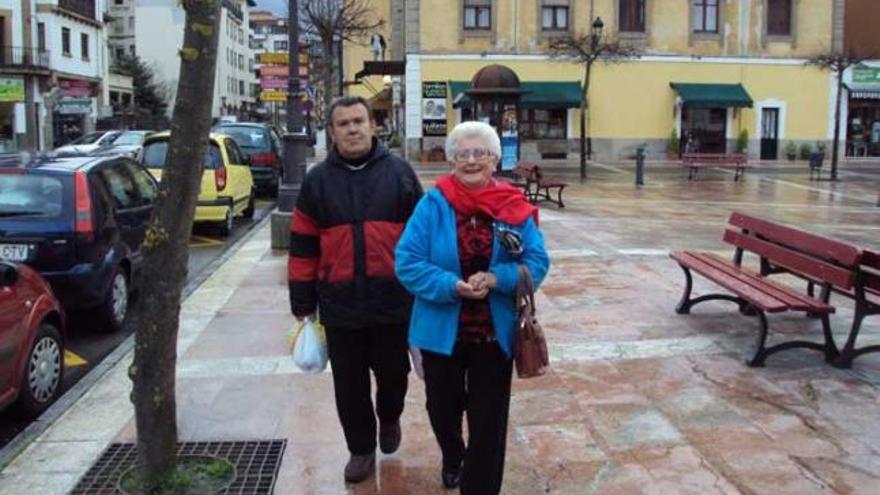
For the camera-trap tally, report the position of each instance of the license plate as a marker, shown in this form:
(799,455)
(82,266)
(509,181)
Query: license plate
(15,252)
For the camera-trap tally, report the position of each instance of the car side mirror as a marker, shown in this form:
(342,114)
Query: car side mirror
(8,275)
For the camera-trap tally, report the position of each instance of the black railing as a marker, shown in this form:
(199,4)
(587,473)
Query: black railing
(85,8)
(16,56)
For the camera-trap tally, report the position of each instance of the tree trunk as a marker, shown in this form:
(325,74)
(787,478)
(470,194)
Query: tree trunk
(835,142)
(328,75)
(166,248)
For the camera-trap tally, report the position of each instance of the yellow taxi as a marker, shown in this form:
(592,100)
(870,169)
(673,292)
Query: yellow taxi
(227,185)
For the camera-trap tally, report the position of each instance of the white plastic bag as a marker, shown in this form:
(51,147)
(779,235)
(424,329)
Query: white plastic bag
(415,356)
(310,349)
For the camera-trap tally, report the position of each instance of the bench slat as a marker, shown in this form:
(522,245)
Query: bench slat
(736,285)
(793,260)
(819,246)
(795,300)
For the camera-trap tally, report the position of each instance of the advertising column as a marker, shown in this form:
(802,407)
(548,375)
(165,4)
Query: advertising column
(434,116)
(509,137)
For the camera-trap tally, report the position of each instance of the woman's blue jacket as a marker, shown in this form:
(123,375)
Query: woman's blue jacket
(427,264)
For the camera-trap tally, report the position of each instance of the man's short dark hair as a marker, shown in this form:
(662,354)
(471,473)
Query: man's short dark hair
(347,101)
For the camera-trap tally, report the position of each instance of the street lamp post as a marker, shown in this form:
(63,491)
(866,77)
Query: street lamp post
(587,142)
(295,139)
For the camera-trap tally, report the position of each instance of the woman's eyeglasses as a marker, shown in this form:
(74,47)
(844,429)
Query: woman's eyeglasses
(476,154)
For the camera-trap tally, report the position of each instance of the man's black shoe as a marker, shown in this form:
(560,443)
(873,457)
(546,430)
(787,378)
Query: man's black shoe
(360,467)
(389,437)
(451,477)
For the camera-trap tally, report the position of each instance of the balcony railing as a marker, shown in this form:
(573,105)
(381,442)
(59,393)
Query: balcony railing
(16,56)
(85,8)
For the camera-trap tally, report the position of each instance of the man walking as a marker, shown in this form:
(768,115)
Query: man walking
(350,212)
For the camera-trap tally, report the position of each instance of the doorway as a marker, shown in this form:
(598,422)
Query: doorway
(704,130)
(769,134)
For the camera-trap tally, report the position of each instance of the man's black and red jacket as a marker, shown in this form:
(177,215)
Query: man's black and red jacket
(343,233)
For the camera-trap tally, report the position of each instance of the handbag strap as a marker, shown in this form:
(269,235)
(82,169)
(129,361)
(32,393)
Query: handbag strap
(525,292)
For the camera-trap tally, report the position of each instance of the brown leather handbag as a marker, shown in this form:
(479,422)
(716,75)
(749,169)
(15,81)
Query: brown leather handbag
(529,346)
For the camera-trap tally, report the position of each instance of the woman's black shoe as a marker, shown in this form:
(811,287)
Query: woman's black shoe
(451,477)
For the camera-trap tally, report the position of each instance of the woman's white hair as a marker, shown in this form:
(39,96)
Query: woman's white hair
(473,129)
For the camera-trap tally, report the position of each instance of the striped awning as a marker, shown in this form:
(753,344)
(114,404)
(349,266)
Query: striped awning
(864,91)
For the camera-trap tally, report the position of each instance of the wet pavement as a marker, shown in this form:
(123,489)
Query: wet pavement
(639,399)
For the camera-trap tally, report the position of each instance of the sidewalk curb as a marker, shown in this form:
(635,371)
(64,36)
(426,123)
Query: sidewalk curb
(45,421)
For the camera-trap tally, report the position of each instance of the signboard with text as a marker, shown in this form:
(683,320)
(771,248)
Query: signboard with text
(73,106)
(509,138)
(434,108)
(866,75)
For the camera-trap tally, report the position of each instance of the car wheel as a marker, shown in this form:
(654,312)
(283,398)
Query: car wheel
(41,384)
(249,211)
(228,223)
(115,307)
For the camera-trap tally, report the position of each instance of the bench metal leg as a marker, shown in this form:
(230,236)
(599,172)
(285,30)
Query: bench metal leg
(762,352)
(559,195)
(686,303)
(849,352)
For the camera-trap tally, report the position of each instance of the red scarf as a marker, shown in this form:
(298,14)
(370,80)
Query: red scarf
(500,201)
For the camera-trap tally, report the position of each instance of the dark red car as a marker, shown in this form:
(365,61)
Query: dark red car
(31,340)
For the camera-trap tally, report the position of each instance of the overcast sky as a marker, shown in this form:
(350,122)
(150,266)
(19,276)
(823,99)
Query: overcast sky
(279,7)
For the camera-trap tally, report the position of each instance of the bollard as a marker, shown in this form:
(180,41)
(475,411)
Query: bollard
(640,166)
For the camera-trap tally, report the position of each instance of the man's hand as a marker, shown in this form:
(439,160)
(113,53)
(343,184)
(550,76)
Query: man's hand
(467,291)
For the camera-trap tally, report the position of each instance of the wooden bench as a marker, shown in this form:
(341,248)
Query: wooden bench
(522,177)
(825,261)
(695,161)
(542,188)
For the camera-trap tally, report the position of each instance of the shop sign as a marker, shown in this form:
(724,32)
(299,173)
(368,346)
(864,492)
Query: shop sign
(11,89)
(74,88)
(866,75)
(71,106)
(274,71)
(273,83)
(509,138)
(279,58)
(434,108)
(273,96)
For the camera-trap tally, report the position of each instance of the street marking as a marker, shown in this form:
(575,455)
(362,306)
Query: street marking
(199,241)
(71,359)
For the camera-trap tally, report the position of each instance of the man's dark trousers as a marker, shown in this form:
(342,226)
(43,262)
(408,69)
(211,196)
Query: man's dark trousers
(353,353)
(476,379)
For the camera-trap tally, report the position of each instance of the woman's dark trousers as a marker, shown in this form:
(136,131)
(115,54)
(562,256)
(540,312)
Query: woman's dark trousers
(475,379)
(353,353)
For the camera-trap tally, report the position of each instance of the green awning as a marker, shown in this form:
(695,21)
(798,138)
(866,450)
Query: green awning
(864,91)
(545,94)
(713,95)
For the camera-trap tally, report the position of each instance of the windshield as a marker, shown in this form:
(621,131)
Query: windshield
(250,139)
(29,196)
(89,138)
(154,155)
(130,137)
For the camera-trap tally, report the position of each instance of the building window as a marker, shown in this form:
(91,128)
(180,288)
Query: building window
(84,45)
(477,14)
(240,62)
(131,23)
(65,41)
(131,50)
(779,17)
(705,16)
(120,52)
(554,15)
(280,45)
(632,16)
(241,88)
(542,123)
(41,36)
(118,2)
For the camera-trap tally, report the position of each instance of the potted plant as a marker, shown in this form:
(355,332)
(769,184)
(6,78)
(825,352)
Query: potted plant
(806,151)
(742,143)
(672,146)
(791,151)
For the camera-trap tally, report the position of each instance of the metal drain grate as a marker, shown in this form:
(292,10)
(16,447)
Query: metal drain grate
(256,465)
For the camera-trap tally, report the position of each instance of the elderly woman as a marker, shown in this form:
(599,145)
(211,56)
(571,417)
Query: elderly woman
(459,257)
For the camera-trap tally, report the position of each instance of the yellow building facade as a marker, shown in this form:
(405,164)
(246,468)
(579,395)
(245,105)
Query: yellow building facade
(710,71)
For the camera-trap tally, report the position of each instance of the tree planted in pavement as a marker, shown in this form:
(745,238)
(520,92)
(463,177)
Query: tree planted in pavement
(586,49)
(837,62)
(334,22)
(166,249)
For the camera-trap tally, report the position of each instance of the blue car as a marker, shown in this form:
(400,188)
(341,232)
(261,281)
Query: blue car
(79,222)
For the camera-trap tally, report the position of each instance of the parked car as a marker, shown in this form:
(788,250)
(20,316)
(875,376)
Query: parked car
(128,143)
(227,188)
(261,143)
(87,143)
(80,222)
(31,340)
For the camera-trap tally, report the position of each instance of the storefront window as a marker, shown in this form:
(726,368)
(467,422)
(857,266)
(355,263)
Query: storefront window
(863,131)
(539,123)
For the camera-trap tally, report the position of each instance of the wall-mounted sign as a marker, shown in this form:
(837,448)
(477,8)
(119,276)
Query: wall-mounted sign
(74,88)
(273,83)
(434,108)
(273,96)
(274,71)
(71,106)
(866,75)
(11,89)
(279,58)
